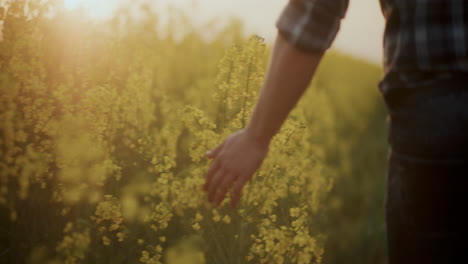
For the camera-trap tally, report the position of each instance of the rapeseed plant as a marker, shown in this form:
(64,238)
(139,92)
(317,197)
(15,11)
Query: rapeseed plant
(104,129)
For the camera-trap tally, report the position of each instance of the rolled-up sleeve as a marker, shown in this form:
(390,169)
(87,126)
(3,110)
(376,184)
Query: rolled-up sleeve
(311,25)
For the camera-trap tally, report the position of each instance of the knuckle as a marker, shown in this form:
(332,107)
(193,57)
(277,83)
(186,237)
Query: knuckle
(224,187)
(237,191)
(217,181)
(214,183)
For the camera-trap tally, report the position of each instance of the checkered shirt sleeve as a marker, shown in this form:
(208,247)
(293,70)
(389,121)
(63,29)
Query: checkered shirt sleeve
(311,25)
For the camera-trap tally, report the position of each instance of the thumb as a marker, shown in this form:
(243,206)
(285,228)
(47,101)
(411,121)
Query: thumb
(214,152)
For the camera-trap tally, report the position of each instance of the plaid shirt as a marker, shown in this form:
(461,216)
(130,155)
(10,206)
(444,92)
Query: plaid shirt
(424,40)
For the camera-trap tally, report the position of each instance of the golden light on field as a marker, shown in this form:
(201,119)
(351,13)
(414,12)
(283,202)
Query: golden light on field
(105,120)
(363,19)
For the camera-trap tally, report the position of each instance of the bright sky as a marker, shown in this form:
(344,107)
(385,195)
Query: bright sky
(360,34)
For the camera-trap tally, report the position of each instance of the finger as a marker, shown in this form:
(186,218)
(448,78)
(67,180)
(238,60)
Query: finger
(237,191)
(215,165)
(223,188)
(213,153)
(213,184)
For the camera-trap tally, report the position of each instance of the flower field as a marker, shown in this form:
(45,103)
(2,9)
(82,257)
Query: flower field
(104,127)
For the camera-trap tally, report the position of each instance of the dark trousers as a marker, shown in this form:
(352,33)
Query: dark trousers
(427,184)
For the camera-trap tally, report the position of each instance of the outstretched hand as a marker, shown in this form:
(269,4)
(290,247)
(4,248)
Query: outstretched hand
(234,163)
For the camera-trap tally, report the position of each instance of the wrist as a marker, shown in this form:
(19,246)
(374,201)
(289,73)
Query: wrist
(258,136)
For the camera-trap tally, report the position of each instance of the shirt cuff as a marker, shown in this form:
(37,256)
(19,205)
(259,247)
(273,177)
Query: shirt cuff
(311,26)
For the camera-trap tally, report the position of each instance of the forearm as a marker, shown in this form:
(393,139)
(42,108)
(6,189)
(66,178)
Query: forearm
(288,76)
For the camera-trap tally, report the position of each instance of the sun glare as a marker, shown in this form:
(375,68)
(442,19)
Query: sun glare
(71,4)
(96,8)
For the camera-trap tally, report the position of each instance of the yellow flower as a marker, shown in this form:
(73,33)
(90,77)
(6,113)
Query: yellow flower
(158,249)
(106,241)
(226,219)
(294,212)
(216,216)
(121,236)
(198,217)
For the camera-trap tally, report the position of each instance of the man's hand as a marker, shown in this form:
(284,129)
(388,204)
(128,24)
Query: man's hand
(242,153)
(235,162)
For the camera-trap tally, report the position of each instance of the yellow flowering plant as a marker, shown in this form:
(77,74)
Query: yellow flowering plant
(104,129)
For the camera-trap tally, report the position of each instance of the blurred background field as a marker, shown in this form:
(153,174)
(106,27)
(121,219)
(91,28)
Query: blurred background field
(103,128)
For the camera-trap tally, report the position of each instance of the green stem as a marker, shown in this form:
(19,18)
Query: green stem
(246,92)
